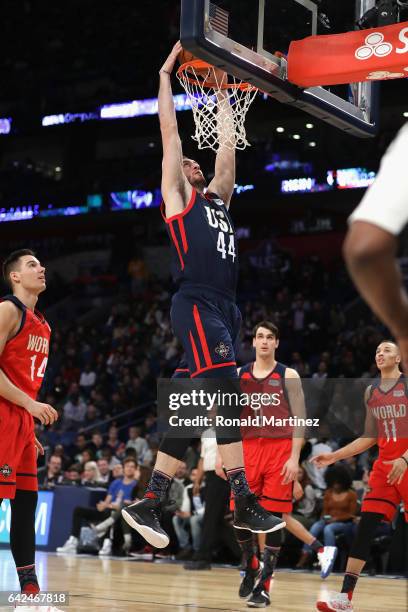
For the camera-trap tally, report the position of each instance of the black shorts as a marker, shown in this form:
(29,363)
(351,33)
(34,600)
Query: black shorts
(207,325)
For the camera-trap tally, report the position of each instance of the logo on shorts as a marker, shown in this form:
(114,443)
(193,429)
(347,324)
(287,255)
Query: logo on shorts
(6,470)
(222,349)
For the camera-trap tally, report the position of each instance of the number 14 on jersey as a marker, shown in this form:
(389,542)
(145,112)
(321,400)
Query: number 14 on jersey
(41,368)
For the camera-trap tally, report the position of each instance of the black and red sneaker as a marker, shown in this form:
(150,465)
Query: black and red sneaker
(249,514)
(144,516)
(250,576)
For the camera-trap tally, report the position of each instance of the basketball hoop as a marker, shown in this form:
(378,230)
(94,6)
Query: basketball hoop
(219,106)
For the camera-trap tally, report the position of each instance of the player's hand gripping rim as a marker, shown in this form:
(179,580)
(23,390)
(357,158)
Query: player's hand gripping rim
(397,473)
(171,60)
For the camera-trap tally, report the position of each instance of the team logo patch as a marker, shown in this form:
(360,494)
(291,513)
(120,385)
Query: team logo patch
(398,393)
(273,383)
(222,350)
(6,470)
(218,201)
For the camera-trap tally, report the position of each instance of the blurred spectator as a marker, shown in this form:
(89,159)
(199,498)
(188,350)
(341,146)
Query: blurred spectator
(189,519)
(316,476)
(53,475)
(173,505)
(70,372)
(91,417)
(80,445)
(97,444)
(117,447)
(87,380)
(339,511)
(117,471)
(137,442)
(305,507)
(74,411)
(91,476)
(87,455)
(59,451)
(299,313)
(72,475)
(119,491)
(104,471)
(113,461)
(149,457)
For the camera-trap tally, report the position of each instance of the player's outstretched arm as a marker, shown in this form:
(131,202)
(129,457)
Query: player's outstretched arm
(370,254)
(223,182)
(176,190)
(8,322)
(356,447)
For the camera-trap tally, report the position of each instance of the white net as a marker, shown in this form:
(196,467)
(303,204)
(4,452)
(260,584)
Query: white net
(219,110)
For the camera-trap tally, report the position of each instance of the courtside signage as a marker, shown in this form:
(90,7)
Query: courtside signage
(43,516)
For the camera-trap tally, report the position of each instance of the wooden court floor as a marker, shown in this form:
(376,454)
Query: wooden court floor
(125,585)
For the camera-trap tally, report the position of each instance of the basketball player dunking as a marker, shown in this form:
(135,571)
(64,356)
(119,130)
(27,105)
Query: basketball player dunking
(24,344)
(387,426)
(204,315)
(271,457)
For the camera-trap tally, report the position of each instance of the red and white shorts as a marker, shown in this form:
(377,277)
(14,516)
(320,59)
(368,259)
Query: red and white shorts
(383,497)
(264,459)
(18,455)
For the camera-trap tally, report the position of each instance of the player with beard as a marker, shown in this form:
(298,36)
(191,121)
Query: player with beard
(204,315)
(386,425)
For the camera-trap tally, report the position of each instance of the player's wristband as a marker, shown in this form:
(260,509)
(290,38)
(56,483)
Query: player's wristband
(165,71)
(404,459)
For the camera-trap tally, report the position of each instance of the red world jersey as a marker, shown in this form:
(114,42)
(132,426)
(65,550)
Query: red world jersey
(24,358)
(389,408)
(273,416)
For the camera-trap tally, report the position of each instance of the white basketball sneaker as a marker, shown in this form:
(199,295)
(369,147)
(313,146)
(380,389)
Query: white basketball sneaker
(106,549)
(326,560)
(70,546)
(335,602)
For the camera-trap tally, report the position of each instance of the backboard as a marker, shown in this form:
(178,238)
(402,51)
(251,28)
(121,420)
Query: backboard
(242,38)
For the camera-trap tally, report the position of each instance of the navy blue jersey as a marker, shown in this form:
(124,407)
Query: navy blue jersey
(204,250)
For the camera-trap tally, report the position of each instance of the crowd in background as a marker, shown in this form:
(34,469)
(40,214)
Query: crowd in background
(103,381)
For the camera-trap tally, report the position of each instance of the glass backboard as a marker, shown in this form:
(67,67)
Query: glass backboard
(243,38)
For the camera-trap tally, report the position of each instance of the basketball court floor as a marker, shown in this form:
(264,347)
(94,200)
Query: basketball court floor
(126,585)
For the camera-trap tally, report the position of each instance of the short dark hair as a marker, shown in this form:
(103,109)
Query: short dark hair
(388,341)
(74,468)
(129,460)
(268,325)
(9,264)
(340,474)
